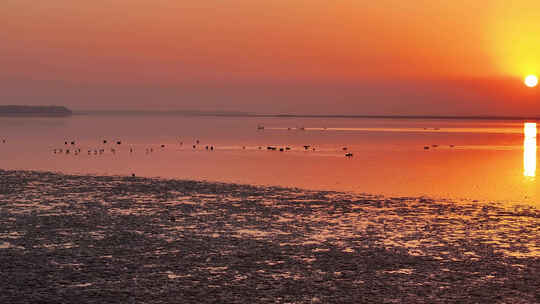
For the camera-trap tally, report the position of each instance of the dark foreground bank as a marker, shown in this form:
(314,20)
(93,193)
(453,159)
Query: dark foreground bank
(86,239)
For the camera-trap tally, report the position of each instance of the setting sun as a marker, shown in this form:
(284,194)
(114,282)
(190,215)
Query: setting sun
(531,81)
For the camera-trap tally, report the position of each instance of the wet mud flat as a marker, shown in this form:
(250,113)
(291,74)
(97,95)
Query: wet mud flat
(96,239)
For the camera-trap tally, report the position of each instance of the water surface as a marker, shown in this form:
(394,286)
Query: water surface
(457,159)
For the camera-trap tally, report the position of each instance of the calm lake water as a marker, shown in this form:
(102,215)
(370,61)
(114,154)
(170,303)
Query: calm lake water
(466,159)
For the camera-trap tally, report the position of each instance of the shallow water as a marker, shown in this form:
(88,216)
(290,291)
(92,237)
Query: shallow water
(466,159)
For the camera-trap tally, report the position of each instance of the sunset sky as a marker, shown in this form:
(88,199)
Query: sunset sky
(448,57)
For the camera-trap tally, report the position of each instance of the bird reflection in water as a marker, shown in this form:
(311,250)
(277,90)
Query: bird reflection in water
(529,149)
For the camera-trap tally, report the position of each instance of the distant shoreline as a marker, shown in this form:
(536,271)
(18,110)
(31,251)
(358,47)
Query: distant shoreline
(258,115)
(61,111)
(25,111)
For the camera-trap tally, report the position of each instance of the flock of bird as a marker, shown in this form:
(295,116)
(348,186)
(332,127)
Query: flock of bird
(71,147)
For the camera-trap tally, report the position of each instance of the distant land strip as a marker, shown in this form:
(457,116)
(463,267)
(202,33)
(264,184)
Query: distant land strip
(255,115)
(24,111)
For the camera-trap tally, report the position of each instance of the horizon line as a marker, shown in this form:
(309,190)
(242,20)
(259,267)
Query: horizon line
(291,115)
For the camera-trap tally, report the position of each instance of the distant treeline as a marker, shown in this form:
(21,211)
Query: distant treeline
(12,110)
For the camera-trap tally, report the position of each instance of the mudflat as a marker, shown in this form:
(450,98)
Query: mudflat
(115,239)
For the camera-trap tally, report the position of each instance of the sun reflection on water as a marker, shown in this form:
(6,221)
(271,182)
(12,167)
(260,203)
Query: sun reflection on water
(529,149)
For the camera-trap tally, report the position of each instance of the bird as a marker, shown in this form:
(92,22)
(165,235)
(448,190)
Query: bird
(306,147)
(349,155)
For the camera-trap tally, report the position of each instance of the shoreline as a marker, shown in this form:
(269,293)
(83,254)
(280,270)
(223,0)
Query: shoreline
(234,114)
(34,111)
(120,238)
(503,203)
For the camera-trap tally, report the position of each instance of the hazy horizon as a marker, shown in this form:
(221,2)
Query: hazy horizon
(194,112)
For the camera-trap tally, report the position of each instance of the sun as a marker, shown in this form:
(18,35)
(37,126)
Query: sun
(531,81)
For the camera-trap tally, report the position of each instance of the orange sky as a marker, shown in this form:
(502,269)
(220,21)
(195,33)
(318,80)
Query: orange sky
(341,56)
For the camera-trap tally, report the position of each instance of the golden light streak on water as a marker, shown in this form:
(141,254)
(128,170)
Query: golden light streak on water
(529,149)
